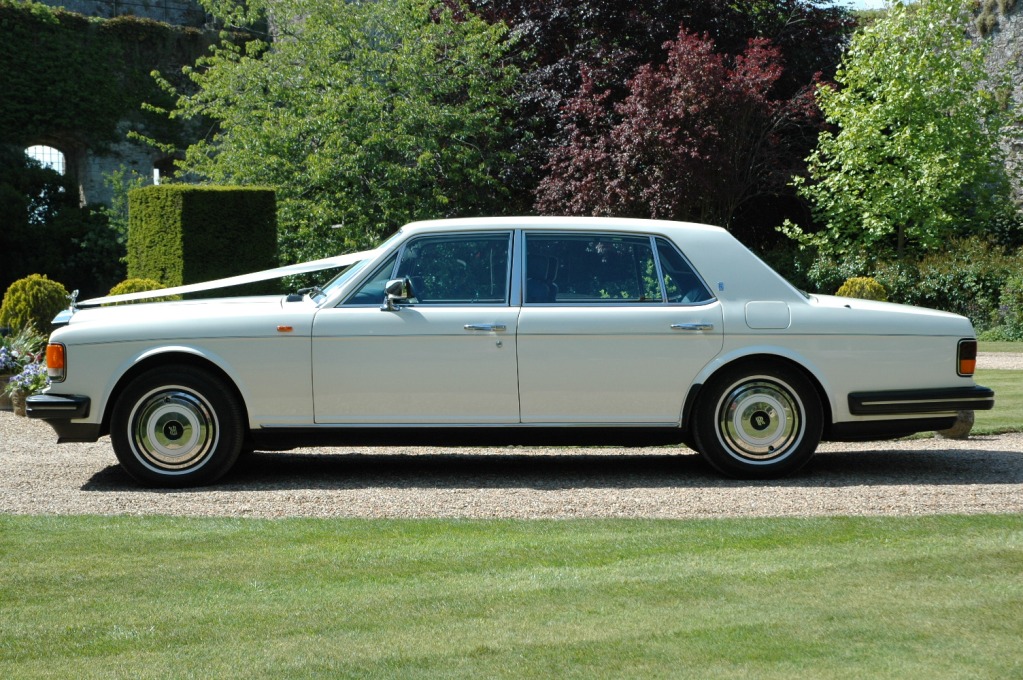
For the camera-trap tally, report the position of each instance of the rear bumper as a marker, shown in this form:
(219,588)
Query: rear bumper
(911,402)
(58,410)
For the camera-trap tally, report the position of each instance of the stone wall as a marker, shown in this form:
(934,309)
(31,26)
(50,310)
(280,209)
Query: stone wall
(88,163)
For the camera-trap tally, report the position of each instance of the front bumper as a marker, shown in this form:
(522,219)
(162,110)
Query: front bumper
(910,402)
(58,410)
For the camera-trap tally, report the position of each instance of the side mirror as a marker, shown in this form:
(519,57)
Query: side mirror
(397,292)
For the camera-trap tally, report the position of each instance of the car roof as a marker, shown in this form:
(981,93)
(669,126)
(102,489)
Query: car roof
(560,223)
(725,263)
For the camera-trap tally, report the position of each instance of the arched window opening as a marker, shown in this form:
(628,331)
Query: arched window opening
(48,157)
(163,169)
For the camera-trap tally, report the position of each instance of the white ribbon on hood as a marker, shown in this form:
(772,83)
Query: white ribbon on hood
(266,275)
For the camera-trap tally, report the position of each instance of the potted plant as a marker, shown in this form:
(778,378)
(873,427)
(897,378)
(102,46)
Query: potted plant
(19,352)
(32,379)
(8,367)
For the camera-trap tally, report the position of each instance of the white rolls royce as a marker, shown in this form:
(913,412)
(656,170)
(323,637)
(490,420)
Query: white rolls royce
(505,330)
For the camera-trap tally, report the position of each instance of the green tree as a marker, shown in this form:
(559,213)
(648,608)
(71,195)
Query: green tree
(43,229)
(914,157)
(361,114)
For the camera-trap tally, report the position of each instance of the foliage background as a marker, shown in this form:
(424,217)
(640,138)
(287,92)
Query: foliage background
(915,154)
(361,115)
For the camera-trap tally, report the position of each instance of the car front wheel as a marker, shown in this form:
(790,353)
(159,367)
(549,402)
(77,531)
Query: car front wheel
(177,426)
(758,422)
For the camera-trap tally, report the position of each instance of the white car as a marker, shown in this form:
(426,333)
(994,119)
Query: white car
(503,330)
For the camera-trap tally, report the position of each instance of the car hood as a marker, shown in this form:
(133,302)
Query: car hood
(240,317)
(143,312)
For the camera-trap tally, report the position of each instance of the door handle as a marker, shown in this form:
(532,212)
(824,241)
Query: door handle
(488,327)
(692,326)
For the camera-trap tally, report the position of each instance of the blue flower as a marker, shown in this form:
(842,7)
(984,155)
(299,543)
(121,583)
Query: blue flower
(33,378)
(8,360)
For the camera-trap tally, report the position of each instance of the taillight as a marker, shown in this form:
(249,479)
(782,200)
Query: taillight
(967,362)
(56,363)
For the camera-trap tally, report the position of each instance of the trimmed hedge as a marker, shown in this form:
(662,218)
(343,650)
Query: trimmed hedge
(182,234)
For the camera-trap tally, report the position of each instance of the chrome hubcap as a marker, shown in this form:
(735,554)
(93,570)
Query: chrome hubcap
(173,430)
(760,420)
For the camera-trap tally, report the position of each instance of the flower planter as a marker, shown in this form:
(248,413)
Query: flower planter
(18,402)
(5,399)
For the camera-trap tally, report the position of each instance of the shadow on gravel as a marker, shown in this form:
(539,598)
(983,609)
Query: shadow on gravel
(283,471)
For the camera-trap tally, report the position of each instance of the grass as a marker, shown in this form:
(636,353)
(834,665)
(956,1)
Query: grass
(925,597)
(1007,415)
(823,598)
(1015,347)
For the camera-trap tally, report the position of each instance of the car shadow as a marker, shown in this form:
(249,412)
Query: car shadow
(499,470)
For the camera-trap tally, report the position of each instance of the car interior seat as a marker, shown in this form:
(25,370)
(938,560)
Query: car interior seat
(541,270)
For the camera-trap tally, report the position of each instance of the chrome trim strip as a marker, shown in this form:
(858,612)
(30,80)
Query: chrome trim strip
(487,327)
(692,326)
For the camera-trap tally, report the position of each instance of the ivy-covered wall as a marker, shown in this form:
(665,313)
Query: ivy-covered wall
(178,12)
(78,84)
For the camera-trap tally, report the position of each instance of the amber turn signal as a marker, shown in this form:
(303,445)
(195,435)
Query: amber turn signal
(55,361)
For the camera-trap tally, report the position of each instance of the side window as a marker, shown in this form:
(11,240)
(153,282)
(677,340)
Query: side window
(458,269)
(681,283)
(590,268)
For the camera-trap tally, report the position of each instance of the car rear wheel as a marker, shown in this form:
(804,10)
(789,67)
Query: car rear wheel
(758,422)
(177,426)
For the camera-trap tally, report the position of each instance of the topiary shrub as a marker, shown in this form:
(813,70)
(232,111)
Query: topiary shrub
(138,285)
(33,300)
(864,288)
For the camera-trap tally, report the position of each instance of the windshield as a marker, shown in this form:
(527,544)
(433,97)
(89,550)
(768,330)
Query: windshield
(321,293)
(335,283)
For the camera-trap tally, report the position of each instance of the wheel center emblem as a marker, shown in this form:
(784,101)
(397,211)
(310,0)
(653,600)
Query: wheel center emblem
(172,430)
(760,421)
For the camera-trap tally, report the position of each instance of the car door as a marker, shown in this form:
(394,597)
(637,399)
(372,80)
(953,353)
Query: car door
(447,356)
(613,329)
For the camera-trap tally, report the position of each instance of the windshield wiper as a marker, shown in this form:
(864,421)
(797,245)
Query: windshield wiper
(298,295)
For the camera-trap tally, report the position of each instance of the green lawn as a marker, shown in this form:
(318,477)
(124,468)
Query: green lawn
(931,597)
(936,597)
(1007,415)
(1016,347)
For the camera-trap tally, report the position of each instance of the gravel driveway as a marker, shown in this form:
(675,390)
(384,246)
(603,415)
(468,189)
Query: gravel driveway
(906,477)
(914,477)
